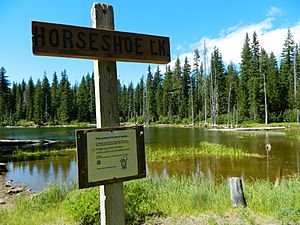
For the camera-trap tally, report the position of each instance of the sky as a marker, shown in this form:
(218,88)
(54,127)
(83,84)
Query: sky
(188,23)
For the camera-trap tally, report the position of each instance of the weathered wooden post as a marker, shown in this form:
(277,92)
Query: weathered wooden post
(109,154)
(107,115)
(237,192)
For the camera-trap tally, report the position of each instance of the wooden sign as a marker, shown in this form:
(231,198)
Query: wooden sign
(109,155)
(80,42)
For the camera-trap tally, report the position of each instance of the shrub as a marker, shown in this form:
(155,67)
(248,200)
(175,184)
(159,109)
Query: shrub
(83,205)
(139,201)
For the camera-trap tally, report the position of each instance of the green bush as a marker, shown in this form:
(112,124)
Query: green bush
(83,205)
(140,120)
(139,201)
(290,115)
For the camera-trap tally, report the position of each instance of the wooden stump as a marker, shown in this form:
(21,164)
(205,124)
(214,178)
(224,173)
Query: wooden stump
(236,192)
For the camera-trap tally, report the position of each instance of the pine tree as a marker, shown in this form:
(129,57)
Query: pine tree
(150,97)
(13,102)
(176,89)
(255,83)
(157,86)
(38,103)
(286,73)
(82,97)
(4,96)
(217,86)
(91,98)
(184,89)
(131,103)
(46,98)
(232,86)
(64,99)
(54,102)
(29,100)
(264,67)
(123,103)
(167,92)
(243,103)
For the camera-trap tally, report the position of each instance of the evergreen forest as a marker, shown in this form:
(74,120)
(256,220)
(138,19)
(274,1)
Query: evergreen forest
(262,88)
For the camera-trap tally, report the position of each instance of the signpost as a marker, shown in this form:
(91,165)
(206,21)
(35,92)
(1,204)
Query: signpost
(109,155)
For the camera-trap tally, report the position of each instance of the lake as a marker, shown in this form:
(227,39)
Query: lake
(285,154)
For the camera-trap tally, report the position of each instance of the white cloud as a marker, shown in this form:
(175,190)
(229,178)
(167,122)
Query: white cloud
(274,11)
(230,41)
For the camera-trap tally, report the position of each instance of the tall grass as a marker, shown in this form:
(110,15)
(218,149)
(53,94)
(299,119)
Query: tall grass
(205,148)
(158,197)
(44,208)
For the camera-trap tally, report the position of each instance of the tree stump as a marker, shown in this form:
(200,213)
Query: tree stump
(236,192)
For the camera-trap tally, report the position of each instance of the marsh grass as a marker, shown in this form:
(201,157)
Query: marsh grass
(205,148)
(21,155)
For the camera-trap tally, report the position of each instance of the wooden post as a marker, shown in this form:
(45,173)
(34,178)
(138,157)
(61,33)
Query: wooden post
(236,192)
(107,115)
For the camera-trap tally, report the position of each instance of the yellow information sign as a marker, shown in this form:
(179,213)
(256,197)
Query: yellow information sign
(111,154)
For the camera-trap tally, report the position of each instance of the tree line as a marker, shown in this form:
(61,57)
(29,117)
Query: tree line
(259,89)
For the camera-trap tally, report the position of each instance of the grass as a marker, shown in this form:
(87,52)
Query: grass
(205,148)
(153,197)
(21,155)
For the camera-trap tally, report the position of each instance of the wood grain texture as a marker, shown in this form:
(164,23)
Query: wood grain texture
(51,39)
(107,114)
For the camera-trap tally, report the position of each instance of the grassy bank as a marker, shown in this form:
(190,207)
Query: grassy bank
(205,148)
(151,198)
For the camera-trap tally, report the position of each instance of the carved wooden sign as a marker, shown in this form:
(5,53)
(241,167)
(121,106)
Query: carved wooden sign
(81,42)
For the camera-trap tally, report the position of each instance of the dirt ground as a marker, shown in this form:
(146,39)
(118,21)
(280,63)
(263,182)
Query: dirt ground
(233,217)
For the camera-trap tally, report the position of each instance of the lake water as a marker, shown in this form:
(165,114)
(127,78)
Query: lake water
(285,154)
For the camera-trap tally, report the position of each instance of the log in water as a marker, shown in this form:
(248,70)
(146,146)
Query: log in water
(14,142)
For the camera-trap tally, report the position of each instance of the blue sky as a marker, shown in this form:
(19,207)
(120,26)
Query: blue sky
(188,23)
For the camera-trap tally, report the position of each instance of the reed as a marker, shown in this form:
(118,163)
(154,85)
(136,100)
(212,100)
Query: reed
(205,148)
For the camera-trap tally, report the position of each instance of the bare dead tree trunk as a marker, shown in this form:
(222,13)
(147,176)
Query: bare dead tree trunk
(228,109)
(295,83)
(266,103)
(204,83)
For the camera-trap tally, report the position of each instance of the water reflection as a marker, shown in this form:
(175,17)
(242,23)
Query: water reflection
(40,173)
(284,156)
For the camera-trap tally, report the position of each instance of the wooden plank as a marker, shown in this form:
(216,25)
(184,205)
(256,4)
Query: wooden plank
(107,115)
(51,39)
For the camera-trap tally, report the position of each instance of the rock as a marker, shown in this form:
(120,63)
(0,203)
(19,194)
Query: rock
(16,190)
(2,202)
(9,183)
(3,167)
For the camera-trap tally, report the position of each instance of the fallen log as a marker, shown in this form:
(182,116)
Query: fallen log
(249,129)
(14,142)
